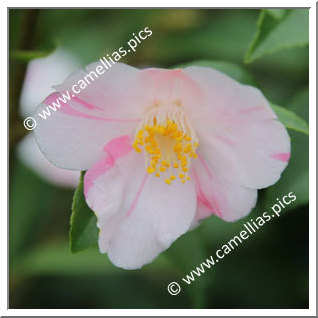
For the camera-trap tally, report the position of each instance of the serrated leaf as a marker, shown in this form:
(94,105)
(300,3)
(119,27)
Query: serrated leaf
(290,120)
(83,231)
(278,31)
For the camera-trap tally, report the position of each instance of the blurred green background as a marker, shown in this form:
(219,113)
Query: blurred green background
(270,270)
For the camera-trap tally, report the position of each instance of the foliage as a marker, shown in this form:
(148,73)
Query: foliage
(83,231)
(278,29)
(270,270)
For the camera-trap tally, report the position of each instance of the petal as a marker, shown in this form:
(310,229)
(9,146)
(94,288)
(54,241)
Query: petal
(217,196)
(126,92)
(223,92)
(169,86)
(161,214)
(30,154)
(37,84)
(72,139)
(139,216)
(115,93)
(239,133)
(110,106)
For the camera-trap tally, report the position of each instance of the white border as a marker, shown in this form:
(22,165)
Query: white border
(312,158)
(312,166)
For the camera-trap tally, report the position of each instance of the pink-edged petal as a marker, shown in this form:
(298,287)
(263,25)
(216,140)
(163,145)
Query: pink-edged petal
(115,93)
(72,139)
(138,215)
(111,187)
(239,133)
(215,195)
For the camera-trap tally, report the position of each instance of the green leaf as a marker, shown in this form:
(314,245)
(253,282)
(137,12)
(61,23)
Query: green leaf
(290,120)
(233,70)
(277,14)
(300,104)
(277,30)
(83,231)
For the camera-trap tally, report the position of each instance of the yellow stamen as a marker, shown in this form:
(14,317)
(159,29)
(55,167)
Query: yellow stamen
(168,142)
(167,181)
(150,169)
(162,169)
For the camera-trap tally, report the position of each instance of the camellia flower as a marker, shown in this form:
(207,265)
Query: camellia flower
(41,74)
(163,149)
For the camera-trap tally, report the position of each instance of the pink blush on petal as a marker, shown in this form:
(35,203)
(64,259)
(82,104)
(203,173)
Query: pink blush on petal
(133,205)
(204,164)
(97,170)
(52,98)
(225,140)
(201,197)
(118,147)
(203,211)
(250,110)
(284,156)
(85,104)
(172,85)
(115,149)
(67,109)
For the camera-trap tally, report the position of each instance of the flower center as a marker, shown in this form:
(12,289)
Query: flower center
(168,141)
